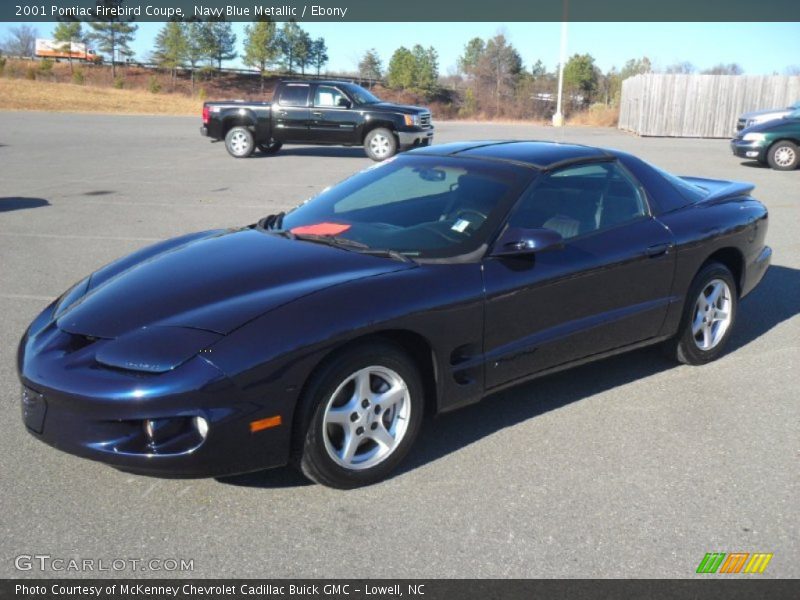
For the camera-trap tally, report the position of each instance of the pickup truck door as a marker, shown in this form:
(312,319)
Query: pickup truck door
(333,118)
(290,112)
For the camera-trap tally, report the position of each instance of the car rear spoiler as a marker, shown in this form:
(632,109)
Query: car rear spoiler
(718,189)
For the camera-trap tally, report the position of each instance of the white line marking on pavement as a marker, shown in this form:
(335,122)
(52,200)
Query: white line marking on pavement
(82,237)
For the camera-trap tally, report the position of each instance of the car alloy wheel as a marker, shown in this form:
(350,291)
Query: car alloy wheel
(366,418)
(785,156)
(712,314)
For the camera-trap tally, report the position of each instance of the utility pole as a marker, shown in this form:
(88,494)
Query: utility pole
(558,118)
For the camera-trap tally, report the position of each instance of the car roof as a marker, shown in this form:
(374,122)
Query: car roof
(533,153)
(322,81)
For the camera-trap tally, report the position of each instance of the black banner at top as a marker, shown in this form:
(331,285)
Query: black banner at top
(404,10)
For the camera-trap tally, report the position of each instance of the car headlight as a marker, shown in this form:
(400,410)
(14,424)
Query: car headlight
(411,120)
(753,137)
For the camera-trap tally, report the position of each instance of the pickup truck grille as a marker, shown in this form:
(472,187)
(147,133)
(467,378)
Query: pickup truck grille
(425,120)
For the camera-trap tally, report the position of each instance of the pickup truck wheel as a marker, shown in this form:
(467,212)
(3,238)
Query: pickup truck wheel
(239,142)
(380,144)
(783,156)
(270,147)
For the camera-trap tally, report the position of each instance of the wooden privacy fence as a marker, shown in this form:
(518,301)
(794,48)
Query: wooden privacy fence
(699,105)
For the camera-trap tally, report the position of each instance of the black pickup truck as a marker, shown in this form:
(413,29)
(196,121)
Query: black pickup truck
(318,112)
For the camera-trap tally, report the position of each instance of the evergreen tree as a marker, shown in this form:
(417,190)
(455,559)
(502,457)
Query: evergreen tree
(195,46)
(218,42)
(171,48)
(260,47)
(580,77)
(370,66)
(402,67)
(68,33)
(113,34)
(293,43)
(318,54)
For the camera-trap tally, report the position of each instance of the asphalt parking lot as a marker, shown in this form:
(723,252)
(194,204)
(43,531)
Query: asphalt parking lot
(631,467)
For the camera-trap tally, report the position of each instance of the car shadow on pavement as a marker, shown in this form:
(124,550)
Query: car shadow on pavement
(325,151)
(775,300)
(17,203)
(754,164)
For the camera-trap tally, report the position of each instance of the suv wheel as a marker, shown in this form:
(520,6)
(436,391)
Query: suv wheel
(380,144)
(239,142)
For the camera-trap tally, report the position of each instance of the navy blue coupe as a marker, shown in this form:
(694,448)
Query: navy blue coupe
(320,337)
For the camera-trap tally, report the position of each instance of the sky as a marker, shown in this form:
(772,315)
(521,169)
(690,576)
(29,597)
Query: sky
(760,48)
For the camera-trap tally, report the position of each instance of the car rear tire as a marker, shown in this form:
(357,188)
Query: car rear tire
(380,144)
(359,416)
(708,318)
(783,156)
(239,142)
(270,147)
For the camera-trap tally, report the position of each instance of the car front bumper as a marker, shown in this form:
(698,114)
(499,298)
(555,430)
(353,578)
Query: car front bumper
(756,150)
(73,404)
(415,138)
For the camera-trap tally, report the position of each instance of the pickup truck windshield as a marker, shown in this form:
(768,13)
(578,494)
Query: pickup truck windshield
(360,95)
(420,206)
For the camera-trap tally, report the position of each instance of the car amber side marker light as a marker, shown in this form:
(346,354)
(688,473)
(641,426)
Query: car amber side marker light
(267,423)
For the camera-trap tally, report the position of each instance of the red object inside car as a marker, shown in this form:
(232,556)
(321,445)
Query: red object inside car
(321,229)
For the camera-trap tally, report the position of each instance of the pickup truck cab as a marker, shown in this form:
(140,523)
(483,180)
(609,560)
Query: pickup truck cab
(318,112)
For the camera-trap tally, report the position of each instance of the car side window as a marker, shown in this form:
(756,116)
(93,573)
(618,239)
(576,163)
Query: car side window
(328,96)
(293,95)
(581,199)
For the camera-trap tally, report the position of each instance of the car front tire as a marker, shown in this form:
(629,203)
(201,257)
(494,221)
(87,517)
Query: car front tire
(708,318)
(239,142)
(783,156)
(380,144)
(359,416)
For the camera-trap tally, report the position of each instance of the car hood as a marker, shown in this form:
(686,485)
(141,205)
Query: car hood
(403,109)
(216,283)
(776,112)
(767,126)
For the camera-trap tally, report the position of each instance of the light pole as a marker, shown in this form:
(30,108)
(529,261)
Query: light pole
(558,118)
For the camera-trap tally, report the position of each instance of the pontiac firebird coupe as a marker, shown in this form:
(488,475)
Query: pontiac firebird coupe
(320,337)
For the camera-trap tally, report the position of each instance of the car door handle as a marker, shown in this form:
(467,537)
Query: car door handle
(316,113)
(657,250)
(283,113)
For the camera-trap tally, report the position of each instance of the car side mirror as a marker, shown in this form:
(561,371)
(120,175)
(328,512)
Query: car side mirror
(517,241)
(344,103)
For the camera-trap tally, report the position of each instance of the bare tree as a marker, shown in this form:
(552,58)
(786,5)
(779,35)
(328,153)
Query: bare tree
(21,41)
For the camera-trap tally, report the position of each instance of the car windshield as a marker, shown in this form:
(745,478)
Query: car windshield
(360,95)
(416,205)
